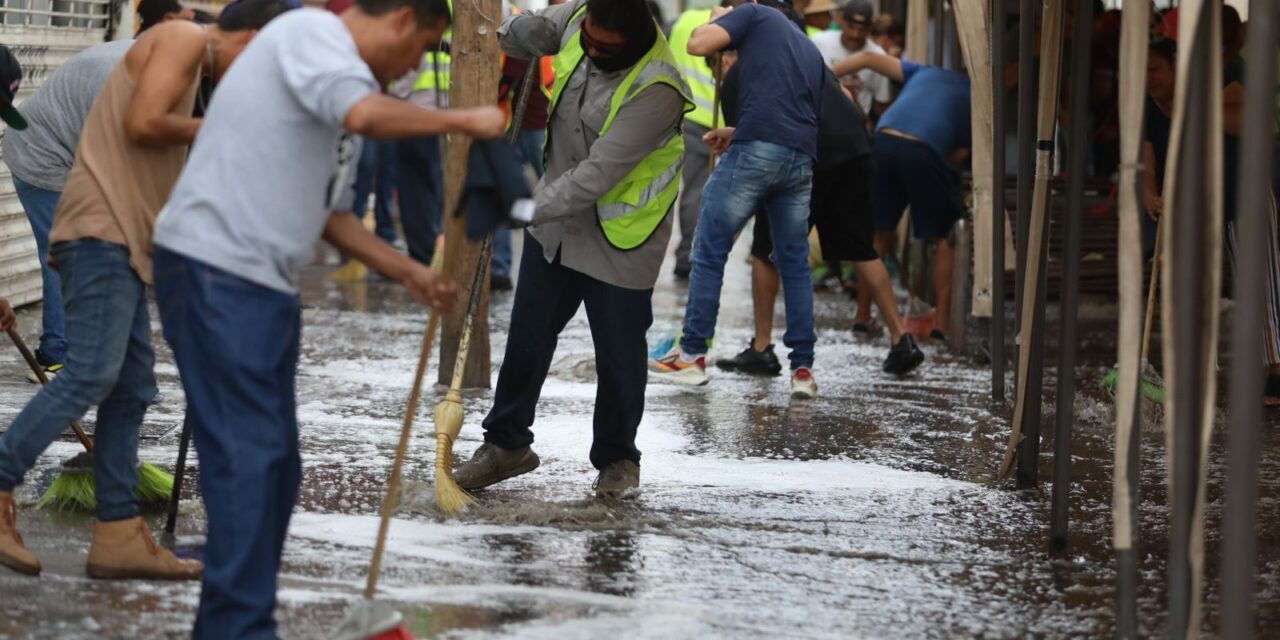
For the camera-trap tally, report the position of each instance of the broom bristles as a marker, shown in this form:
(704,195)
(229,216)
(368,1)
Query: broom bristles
(450,498)
(74,489)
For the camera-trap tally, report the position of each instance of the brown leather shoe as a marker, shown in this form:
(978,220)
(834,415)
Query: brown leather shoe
(12,552)
(125,550)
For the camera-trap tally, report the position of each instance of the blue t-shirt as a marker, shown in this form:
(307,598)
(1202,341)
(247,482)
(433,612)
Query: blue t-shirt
(934,107)
(782,74)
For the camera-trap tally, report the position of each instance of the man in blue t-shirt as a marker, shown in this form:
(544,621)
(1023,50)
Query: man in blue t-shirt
(918,142)
(769,161)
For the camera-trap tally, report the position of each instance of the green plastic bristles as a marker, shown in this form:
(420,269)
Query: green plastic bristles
(74,490)
(1150,390)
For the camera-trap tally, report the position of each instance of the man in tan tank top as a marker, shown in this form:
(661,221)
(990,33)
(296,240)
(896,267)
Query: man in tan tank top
(130,155)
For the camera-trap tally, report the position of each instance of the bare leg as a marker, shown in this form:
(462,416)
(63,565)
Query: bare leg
(764,291)
(943,266)
(875,282)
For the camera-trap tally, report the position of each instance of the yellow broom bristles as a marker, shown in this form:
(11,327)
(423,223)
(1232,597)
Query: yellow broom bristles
(450,498)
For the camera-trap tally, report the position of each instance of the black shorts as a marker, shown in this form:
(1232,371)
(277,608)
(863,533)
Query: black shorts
(910,172)
(840,206)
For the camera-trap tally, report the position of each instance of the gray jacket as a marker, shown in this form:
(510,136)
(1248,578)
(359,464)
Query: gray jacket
(582,166)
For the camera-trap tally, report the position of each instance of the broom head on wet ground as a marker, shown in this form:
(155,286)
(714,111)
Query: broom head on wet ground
(74,489)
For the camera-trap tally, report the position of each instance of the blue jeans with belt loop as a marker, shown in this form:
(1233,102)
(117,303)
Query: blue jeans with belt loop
(236,344)
(110,365)
(40,204)
(754,174)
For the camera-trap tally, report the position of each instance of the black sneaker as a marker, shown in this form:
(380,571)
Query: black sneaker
(938,336)
(866,330)
(753,362)
(904,357)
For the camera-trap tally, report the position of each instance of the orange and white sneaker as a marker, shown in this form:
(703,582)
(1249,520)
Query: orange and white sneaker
(672,368)
(803,386)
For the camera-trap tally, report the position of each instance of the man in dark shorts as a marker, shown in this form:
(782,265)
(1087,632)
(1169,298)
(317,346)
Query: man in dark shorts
(840,206)
(919,139)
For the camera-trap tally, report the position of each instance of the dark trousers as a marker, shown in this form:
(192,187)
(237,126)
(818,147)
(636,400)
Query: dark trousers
(236,344)
(376,175)
(421,185)
(548,297)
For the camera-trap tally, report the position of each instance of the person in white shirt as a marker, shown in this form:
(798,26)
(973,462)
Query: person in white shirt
(872,90)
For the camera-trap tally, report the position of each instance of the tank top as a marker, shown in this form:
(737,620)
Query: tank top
(117,187)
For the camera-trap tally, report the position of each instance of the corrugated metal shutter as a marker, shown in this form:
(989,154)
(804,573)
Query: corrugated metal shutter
(42,34)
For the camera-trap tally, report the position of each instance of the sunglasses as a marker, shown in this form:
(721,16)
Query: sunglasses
(605,49)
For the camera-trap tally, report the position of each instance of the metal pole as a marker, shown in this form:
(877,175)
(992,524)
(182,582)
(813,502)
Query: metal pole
(1080,64)
(1253,221)
(1026,148)
(1189,264)
(939,32)
(999,13)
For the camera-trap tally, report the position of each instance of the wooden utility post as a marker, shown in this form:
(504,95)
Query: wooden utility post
(474,81)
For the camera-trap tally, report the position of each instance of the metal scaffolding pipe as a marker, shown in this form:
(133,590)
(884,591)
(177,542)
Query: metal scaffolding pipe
(1077,154)
(1026,152)
(1253,221)
(999,15)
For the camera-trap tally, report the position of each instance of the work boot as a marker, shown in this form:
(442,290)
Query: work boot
(619,479)
(125,550)
(491,464)
(12,552)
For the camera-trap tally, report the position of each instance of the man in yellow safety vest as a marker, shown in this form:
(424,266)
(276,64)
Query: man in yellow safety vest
(599,235)
(697,123)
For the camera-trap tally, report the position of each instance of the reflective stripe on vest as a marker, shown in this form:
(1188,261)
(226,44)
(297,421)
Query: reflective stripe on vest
(693,68)
(632,211)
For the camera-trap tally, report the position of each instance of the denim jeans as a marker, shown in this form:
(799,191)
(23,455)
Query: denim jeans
(40,205)
(529,144)
(753,174)
(110,364)
(421,195)
(236,344)
(376,174)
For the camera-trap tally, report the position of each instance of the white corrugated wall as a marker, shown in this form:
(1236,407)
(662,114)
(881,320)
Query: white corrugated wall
(42,34)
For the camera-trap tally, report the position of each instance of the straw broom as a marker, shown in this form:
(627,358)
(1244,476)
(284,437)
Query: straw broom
(74,487)
(451,498)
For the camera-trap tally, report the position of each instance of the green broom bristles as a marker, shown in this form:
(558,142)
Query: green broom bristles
(1151,389)
(73,489)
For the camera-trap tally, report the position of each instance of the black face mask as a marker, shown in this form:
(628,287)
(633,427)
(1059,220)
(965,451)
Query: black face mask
(628,57)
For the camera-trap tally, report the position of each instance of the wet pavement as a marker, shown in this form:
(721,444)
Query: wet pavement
(871,512)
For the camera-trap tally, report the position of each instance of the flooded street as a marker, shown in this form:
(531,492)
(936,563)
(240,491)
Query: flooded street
(871,512)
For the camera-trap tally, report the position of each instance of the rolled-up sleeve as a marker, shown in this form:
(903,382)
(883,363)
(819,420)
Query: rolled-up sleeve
(533,34)
(643,124)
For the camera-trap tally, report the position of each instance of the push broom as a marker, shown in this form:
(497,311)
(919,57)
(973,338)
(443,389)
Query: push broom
(1152,385)
(74,489)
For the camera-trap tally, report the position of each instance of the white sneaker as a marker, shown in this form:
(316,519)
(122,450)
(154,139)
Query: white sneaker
(671,368)
(803,386)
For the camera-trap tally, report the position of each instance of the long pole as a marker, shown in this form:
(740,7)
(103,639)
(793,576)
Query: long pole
(1124,510)
(1080,63)
(1253,221)
(1026,149)
(998,20)
(939,32)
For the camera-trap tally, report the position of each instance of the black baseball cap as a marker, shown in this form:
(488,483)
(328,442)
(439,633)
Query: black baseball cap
(10,80)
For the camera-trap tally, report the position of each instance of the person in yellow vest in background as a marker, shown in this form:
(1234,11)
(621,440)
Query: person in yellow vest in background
(420,171)
(600,229)
(819,15)
(697,123)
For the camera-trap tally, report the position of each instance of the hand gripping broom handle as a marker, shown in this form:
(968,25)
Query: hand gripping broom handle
(39,371)
(1151,294)
(406,429)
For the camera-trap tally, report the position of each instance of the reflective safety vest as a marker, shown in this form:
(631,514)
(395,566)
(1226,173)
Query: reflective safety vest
(632,211)
(436,75)
(695,70)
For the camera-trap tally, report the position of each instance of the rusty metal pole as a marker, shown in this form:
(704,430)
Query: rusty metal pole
(1026,149)
(1253,221)
(1076,157)
(999,13)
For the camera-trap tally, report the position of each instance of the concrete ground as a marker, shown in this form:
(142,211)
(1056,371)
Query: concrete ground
(871,512)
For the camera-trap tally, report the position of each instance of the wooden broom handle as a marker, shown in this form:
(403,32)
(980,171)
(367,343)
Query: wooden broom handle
(1151,293)
(44,379)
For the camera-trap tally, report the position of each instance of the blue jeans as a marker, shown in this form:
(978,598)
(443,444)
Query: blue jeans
(529,144)
(110,364)
(754,174)
(421,195)
(236,344)
(40,205)
(376,174)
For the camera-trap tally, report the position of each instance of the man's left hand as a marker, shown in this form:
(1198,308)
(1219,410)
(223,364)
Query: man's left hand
(719,139)
(429,288)
(8,319)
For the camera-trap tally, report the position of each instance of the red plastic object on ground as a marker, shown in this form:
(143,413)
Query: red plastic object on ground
(398,633)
